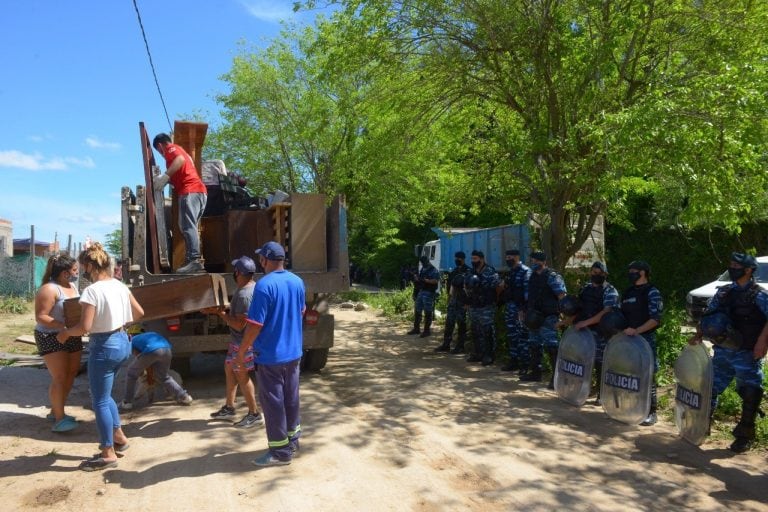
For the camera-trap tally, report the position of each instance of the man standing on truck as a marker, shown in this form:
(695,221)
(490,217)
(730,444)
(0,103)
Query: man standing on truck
(457,299)
(274,329)
(425,300)
(514,295)
(181,173)
(235,319)
(481,285)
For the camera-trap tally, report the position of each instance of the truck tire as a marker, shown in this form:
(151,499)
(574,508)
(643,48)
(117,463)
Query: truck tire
(314,359)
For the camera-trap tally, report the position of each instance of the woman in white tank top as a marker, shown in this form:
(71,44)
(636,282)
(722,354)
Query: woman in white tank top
(61,359)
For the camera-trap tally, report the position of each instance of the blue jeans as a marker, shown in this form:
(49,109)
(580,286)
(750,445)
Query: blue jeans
(160,362)
(191,207)
(107,352)
(425,301)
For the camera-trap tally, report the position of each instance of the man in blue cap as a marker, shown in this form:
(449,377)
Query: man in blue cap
(514,294)
(481,285)
(426,282)
(235,318)
(746,304)
(274,329)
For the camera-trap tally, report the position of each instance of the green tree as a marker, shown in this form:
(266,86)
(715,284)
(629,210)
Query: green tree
(113,243)
(580,101)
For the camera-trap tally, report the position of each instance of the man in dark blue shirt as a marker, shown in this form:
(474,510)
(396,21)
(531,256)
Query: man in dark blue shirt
(274,328)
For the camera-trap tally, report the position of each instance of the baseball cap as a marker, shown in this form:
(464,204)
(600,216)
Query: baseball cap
(512,252)
(601,266)
(244,265)
(539,256)
(272,251)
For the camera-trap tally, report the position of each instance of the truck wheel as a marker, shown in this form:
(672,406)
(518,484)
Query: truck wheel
(314,359)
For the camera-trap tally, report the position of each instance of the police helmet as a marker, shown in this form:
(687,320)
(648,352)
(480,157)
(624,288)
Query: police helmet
(612,323)
(534,319)
(473,281)
(458,280)
(641,265)
(717,328)
(745,260)
(569,305)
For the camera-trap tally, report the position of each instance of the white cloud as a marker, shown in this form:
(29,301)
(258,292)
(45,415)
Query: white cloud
(268,10)
(37,162)
(96,143)
(39,138)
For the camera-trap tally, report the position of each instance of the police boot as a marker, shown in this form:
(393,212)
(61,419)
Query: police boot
(446,345)
(534,369)
(651,419)
(416,324)
(745,428)
(427,324)
(552,353)
(459,348)
(599,372)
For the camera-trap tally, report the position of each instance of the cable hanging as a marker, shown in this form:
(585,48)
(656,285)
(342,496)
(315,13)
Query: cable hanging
(152,65)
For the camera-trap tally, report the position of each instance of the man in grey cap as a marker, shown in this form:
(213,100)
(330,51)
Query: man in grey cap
(244,268)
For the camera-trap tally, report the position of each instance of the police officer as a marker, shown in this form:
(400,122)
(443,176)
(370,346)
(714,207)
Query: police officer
(545,289)
(481,285)
(457,299)
(426,280)
(642,307)
(596,298)
(514,293)
(746,305)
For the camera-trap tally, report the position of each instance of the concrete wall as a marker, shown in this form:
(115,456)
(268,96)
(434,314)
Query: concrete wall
(6,238)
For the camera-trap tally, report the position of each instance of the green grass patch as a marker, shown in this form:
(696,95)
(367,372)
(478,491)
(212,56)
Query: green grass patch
(14,305)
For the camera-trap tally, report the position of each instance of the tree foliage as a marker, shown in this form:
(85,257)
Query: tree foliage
(424,111)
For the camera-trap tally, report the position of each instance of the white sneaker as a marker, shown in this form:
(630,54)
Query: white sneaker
(125,406)
(185,400)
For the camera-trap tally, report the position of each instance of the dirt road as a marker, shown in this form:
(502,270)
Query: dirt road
(388,425)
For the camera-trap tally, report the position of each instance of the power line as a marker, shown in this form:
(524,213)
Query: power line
(152,65)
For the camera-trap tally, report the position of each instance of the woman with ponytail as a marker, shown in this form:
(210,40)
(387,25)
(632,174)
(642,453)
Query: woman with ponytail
(61,358)
(107,306)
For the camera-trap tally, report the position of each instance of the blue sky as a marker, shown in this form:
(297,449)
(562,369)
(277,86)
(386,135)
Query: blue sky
(76,82)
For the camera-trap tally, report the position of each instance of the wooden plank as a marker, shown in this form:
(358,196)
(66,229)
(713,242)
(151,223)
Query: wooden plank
(214,234)
(245,229)
(26,339)
(167,299)
(308,232)
(152,237)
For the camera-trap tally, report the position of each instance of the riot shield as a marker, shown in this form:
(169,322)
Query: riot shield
(693,376)
(626,379)
(573,371)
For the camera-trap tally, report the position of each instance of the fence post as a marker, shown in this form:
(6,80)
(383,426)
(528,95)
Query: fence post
(69,245)
(32,259)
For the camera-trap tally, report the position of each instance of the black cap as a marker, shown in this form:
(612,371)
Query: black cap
(640,265)
(539,256)
(478,253)
(513,252)
(460,254)
(745,260)
(601,266)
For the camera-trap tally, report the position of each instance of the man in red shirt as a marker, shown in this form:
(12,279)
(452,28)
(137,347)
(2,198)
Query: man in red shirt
(183,176)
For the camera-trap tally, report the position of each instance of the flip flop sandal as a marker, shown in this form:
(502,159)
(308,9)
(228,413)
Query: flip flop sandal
(121,447)
(51,417)
(97,464)
(65,425)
